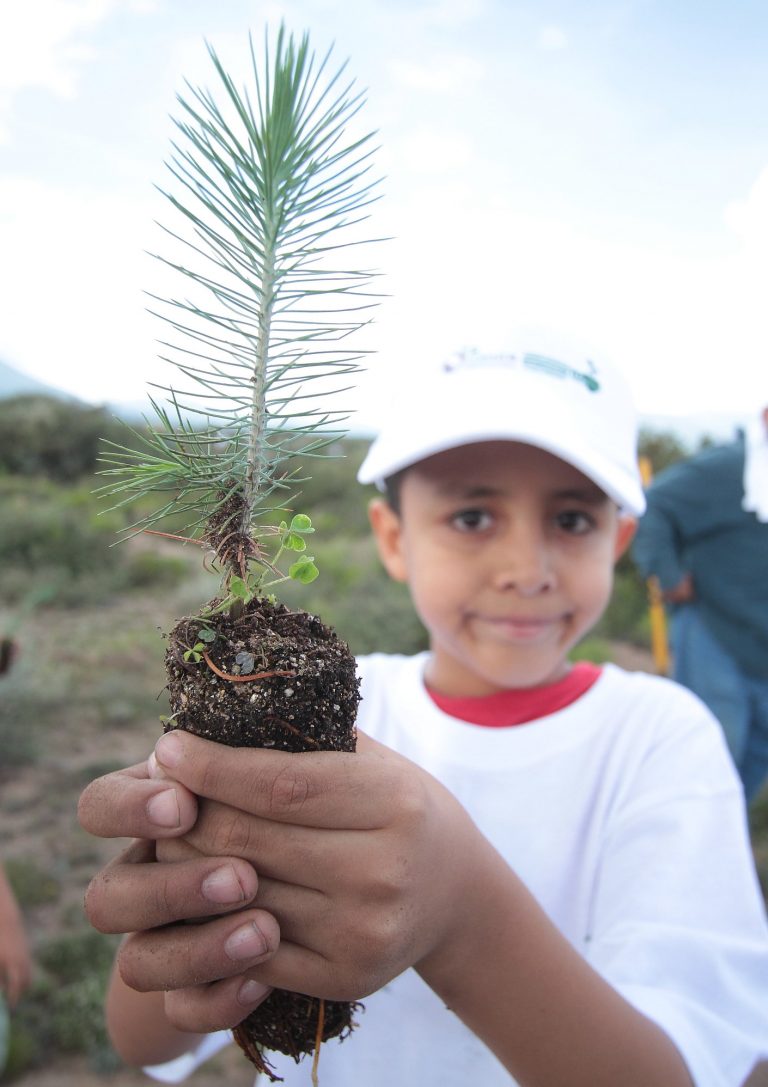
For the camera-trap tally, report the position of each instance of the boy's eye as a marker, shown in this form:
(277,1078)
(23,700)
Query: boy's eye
(471,520)
(575,522)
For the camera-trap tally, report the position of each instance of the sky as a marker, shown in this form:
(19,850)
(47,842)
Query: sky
(592,173)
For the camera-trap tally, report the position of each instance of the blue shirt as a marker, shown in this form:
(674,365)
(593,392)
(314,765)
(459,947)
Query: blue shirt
(695,524)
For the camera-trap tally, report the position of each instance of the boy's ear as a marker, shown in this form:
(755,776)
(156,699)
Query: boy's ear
(387,530)
(624,535)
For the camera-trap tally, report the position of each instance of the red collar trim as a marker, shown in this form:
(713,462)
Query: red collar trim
(521,704)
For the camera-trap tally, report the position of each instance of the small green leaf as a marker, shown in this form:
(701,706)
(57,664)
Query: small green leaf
(304,570)
(301,523)
(237,587)
(292,542)
(207,635)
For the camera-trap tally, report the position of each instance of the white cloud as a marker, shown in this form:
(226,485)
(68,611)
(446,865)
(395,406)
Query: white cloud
(552,38)
(748,218)
(43,45)
(690,332)
(71,282)
(428,151)
(443,74)
(448,13)
(466,269)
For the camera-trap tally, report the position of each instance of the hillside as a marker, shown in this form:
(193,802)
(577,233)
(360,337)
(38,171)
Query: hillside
(16,383)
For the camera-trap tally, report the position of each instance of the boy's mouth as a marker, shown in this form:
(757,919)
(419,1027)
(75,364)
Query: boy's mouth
(520,628)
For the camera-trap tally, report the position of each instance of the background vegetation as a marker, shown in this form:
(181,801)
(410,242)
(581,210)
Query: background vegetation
(85,692)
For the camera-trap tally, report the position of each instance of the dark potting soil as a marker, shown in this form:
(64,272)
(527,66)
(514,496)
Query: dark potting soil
(280,679)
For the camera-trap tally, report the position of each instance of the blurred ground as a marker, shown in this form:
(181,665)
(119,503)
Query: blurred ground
(227,1069)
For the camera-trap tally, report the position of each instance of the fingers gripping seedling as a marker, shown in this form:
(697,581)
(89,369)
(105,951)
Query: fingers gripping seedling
(268,190)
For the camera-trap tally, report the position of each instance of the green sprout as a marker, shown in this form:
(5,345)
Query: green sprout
(195,653)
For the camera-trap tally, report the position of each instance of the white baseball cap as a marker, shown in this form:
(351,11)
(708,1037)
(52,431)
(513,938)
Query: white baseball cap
(576,409)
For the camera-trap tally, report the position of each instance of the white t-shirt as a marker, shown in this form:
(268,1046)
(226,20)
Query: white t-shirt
(623,815)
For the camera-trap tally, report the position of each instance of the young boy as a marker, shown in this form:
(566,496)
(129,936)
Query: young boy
(532,871)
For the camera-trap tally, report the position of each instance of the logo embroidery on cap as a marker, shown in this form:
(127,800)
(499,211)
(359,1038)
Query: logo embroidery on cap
(561,369)
(471,360)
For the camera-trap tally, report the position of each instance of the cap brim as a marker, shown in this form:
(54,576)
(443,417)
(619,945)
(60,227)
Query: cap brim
(544,422)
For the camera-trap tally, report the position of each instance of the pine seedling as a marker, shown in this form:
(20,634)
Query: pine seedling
(272,193)
(268,193)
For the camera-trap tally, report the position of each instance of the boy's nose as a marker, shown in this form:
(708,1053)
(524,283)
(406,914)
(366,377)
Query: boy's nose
(524,566)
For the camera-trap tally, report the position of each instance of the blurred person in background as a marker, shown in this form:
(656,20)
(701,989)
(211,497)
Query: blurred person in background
(15,959)
(704,536)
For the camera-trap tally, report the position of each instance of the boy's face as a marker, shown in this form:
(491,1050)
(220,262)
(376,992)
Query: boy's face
(508,552)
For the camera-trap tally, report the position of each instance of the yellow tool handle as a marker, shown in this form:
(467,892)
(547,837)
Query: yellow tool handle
(657,612)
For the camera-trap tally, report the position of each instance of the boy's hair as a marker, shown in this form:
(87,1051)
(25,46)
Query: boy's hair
(578,410)
(391,490)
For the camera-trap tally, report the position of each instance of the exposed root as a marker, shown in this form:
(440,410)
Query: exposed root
(244,679)
(318,1040)
(233,547)
(255,1055)
(296,732)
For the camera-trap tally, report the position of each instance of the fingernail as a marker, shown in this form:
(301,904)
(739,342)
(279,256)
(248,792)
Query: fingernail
(163,809)
(246,942)
(223,887)
(251,991)
(153,769)
(169,749)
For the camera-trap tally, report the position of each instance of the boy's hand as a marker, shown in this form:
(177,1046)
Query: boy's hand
(682,593)
(131,804)
(365,861)
(369,866)
(134,894)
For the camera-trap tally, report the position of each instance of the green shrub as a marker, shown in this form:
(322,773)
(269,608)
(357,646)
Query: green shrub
(627,616)
(64,1010)
(31,699)
(332,497)
(357,598)
(77,1021)
(58,439)
(662,448)
(18,742)
(56,546)
(70,958)
(31,884)
(52,544)
(31,1035)
(592,648)
(145,569)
